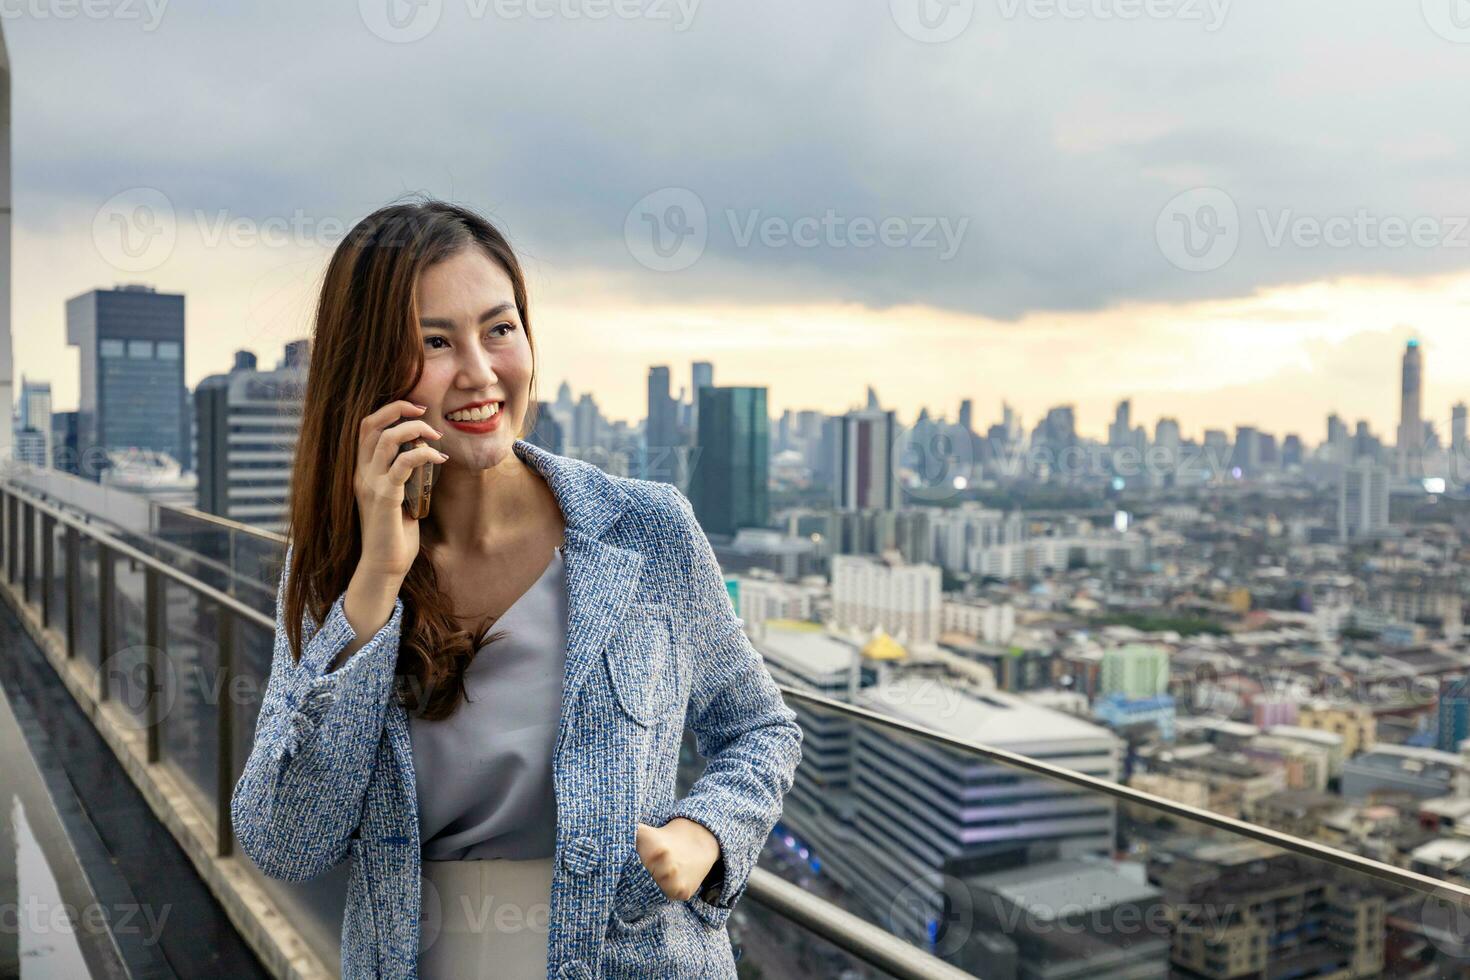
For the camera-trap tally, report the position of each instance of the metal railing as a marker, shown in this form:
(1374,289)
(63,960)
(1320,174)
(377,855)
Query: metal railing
(33,527)
(29,527)
(22,513)
(1354,863)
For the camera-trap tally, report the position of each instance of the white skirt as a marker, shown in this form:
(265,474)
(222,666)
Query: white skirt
(486,918)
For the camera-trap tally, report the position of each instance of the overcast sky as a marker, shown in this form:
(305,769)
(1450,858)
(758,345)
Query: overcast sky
(1232,212)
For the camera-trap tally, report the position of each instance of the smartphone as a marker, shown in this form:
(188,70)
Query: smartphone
(420,483)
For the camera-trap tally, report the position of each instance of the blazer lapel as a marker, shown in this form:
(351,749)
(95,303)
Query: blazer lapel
(602,577)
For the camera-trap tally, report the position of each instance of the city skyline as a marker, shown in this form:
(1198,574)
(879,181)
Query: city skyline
(1094,415)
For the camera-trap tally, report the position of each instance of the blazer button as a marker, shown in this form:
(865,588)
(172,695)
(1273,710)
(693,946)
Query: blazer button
(580,855)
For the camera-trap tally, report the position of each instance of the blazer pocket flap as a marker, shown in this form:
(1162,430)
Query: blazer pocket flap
(639,660)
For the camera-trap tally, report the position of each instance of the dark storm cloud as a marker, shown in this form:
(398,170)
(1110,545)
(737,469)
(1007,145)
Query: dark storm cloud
(1043,140)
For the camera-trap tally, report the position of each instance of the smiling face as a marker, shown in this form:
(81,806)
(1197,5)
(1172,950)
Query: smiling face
(475,349)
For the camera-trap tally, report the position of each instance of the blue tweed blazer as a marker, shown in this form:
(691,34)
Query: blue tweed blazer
(653,646)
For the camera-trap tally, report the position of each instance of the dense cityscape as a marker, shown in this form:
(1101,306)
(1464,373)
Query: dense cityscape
(1259,627)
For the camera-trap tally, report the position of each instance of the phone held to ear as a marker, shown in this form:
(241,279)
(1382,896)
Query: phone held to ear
(420,483)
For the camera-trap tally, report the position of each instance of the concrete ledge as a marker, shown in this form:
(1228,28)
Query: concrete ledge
(251,909)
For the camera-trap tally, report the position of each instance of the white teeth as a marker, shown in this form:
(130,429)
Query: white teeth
(475,414)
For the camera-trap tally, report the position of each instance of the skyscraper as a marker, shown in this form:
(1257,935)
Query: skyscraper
(661,432)
(7,363)
(1121,430)
(728,483)
(865,468)
(1411,412)
(1339,440)
(1247,454)
(248,424)
(33,426)
(1362,505)
(701,375)
(131,341)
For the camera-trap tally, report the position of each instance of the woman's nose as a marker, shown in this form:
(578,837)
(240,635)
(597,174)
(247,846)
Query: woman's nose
(477,370)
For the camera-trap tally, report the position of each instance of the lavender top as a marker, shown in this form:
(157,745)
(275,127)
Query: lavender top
(483,775)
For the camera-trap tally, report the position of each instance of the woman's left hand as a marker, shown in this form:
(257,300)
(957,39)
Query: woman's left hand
(679,855)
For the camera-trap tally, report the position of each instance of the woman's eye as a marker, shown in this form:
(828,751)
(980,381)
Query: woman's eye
(508,328)
(430,340)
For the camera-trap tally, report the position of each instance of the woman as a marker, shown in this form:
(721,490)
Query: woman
(507,801)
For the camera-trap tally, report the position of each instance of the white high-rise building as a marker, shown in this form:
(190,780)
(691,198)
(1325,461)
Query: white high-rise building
(33,425)
(248,423)
(886,593)
(961,535)
(1362,502)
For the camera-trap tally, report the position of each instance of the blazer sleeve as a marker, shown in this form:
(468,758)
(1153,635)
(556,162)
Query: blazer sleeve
(299,800)
(742,726)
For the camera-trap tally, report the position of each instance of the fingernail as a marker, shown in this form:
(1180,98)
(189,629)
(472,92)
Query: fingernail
(443,455)
(417,405)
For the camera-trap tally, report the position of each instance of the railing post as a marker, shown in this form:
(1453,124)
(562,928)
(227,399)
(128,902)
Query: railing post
(153,632)
(106,603)
(73,588)
(12,537)
(48,566)
(224,830)
(5,537)
(28,522)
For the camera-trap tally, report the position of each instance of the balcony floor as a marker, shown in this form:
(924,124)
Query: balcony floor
(131,861)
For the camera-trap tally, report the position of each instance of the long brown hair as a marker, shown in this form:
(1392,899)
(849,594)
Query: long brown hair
(366,351)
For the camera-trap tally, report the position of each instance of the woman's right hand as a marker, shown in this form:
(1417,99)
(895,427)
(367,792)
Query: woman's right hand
(390,537)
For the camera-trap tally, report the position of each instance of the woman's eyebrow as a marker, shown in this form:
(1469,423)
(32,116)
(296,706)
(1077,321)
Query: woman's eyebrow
(449,324)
